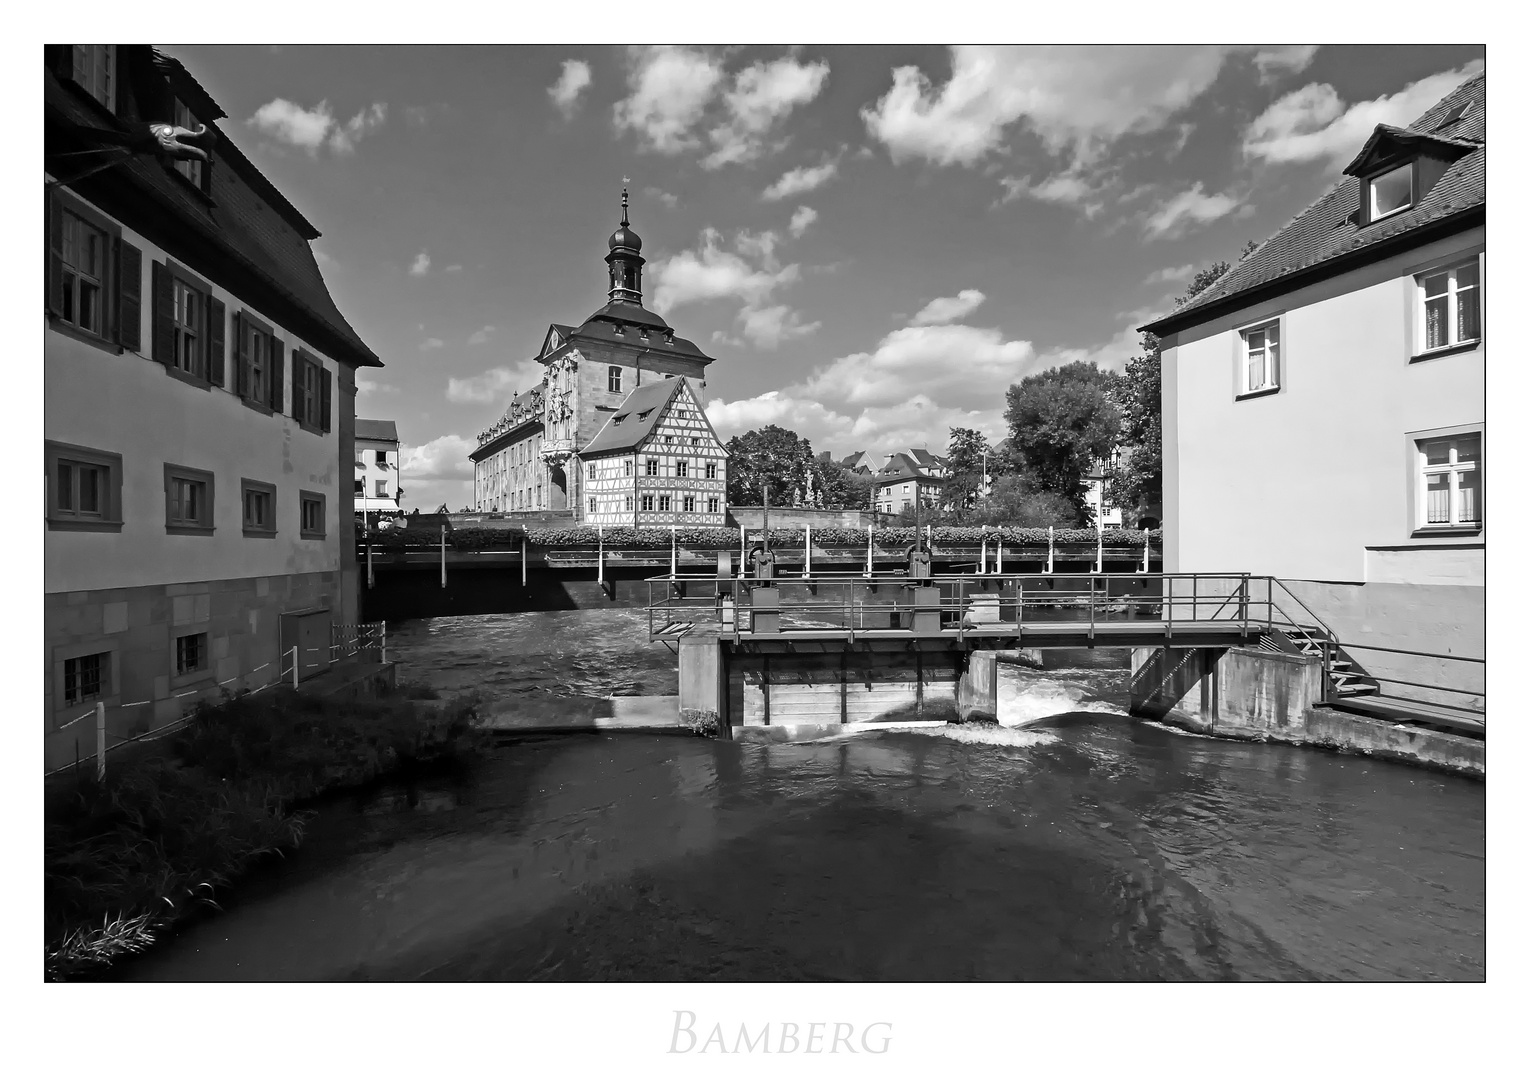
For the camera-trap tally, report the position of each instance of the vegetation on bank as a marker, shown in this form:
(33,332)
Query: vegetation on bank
(174,822)
(624,536)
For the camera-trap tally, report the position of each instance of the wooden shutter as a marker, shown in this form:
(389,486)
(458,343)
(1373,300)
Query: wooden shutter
(241,357)
(299,400)
(54,256)
(278,372)
(129,296)
(324,381)
(216,346)
(164,315)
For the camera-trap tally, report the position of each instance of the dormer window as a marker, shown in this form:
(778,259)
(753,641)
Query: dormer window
(1391,192)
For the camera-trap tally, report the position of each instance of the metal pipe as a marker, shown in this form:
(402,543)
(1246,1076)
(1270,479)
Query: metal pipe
(100,740)
(600,555)
(869,527)
(294,667)
(1051,546)
(523,561)
(674,551)
(443,556)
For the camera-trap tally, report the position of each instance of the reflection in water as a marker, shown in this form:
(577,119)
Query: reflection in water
(1092,847)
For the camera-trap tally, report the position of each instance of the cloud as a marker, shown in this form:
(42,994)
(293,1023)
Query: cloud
(800,180)
(966,362)
(416,115)
(945,309)
(324,258)
(762,96)
(918,421)
(802,218)
(1313,124)
(669,91)
(708,272)
(1170,274)
(565,92)
(309,129)
(445,458)
(1076,99)
(498,384)
(1186,210)
(1069,188)
(481,337)
(431,343)
(768,327)
(420,266)
(454,268)
(671,201)
(1277,60)
(367,385)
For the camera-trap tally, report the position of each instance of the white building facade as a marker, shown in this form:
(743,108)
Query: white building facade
(379,480)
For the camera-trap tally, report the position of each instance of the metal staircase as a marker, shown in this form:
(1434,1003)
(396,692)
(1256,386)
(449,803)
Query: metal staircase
(1345,677)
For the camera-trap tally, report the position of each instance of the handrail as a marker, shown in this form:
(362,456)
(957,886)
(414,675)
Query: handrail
(1410,652)
(1319,622)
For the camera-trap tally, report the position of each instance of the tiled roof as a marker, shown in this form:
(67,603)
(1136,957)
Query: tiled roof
(602,327)
(382,430)
(634,419)
(246,220)
(1326,231)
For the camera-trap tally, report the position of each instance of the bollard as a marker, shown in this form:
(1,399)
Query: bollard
(523,562)
(443,556)
(385,643)
(100,740)
(294,667)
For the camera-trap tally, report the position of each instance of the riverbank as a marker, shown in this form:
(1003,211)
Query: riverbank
(127,858)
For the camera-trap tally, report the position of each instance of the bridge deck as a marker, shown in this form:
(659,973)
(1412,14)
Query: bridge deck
(1109,634)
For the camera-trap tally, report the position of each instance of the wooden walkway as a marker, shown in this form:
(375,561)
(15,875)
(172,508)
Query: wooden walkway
(1406,711)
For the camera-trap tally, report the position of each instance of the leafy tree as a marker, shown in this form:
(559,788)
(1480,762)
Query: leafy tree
(964,478)
(1060,421)
(783,461)
(1016,501)
(846,489)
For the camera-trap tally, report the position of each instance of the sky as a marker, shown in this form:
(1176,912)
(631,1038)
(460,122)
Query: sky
(872,242)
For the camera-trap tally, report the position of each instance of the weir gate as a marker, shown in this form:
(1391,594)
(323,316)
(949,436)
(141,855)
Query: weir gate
(838,649)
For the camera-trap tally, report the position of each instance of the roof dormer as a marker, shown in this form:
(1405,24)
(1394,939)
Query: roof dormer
(1397,167)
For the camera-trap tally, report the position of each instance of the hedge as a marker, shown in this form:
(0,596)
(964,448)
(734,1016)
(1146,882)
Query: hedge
(697,538)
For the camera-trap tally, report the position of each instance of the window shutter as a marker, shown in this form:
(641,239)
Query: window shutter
(299,402)
(241,357)
(278,372)
(164,315)
(324,381)
(129,296)
(54,257)
(215,342)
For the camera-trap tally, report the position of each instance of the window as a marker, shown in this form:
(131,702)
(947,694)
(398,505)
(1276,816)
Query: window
(1450,481)
(360,461)
(647,502)
(627,468)
(592,504)
(1261,358)
(312,515)
(590,472)
(382,459)
(259,507)
(361,487)
(84,488)
(652,468)
(712,505)
(695,440)
(190,654)
(86,678)
(629,502)
(381,490)
(689,504)
(668,439)
(711,470)
(188,500)
(1391,191)
(905,491)
(83,257)
(94,68)
(614,380)
(187,321)
(1452,306)
(682,467)
(664,503)
(311,382)
(194,169)
(907,504)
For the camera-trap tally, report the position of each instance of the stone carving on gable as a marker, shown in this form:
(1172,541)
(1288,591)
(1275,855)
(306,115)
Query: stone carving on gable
(527,406)
(558,408)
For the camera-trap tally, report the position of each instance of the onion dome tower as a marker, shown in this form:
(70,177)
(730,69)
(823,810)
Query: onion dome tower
(625,261)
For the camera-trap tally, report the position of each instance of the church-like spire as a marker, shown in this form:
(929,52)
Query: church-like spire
(625,260)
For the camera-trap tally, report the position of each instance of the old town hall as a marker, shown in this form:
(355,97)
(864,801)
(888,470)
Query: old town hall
(615,433)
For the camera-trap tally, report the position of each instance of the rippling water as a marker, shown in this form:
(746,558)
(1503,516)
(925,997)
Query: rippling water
(1087,846)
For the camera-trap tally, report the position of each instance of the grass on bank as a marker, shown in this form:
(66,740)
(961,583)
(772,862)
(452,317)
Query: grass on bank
(174,822)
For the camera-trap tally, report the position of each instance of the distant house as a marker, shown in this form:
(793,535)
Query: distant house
(378,479)
(1324,402)
(907,479)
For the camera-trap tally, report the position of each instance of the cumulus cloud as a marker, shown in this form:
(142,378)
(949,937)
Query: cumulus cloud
(287,122)
(498,384)
(749,273)
(761,97)
(481,336)
(571,83)
(966,362)
(800,180)
(420,266)
(454,268)
(768,327)
(365,384)
(1070,188)
(1273,61)
(1188,209)
(671,201)
(802,218)
(918,421)
(444,458)
(431,343)
(945,309)
(669,88)
(1313,123)
(1076,99)
(1170,274)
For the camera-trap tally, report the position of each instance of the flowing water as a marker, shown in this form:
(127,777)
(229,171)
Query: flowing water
(1085,845)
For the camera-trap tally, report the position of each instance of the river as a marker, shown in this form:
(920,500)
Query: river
(1088,846)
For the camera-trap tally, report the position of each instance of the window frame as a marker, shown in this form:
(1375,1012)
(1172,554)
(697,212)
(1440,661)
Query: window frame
(112,75)
(688,504)
(651,467)
(682,467)
(304,532)
(63,712)
(205,524)
(380,488)
(60,520)
(109,338)
(304,362)
(593,504)
(1241,382)
(665,504)
(1417,483)
(246,487)
(613,379)
(711,471)
(1408,167)
(179,678)
(646,505)
(185,168)
(711,504)
(1421,303)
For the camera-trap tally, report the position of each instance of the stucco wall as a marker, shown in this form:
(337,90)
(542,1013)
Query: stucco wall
(1301,483)
(127,404)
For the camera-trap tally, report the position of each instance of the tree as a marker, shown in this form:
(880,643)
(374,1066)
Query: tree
(1015,501)
(783,461)
(1136,485)
(964,479)
(1060,422)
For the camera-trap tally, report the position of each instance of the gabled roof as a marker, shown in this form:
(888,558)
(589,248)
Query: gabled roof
(1326,238)
(381,430)
(635,418)
(1391,142)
